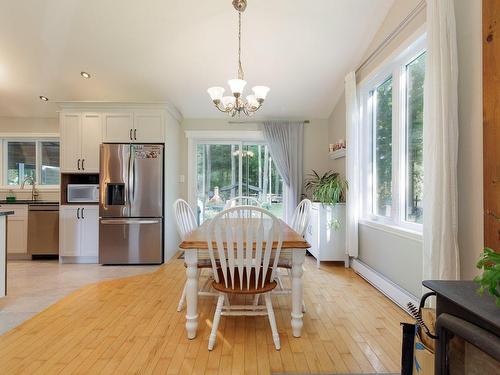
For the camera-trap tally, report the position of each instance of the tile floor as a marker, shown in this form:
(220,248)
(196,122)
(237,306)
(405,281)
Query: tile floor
(32,286)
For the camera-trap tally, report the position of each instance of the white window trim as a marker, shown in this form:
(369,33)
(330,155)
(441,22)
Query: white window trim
(23,137)
(411,49)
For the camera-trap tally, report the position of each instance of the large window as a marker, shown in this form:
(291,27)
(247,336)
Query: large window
(226,170)
(36,159)
(392,138)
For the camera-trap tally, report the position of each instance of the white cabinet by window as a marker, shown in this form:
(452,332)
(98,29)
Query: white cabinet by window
(80,140)
(138,126)
(79,233)
(17,229)
(326,233)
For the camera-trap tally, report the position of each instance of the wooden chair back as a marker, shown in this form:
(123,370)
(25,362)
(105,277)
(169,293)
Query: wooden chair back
(184,218)
(241,238)
(301,216)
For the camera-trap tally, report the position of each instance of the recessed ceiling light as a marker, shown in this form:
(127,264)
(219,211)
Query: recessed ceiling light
(85,75)
(44,98)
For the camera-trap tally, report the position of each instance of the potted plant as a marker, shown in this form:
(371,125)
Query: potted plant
(489,262)
(328,188)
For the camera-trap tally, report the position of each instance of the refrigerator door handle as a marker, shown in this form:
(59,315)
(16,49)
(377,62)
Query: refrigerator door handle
(129,221)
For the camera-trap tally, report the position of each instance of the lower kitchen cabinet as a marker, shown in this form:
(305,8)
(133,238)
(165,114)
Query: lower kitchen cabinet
(79,233)
(17,229)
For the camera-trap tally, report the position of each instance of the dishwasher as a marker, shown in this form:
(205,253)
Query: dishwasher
(43,229)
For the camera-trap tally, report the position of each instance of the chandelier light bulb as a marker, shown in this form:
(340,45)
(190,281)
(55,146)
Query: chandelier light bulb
(228,101)
(260,92)
(237,86)
(252,101)
(216,93)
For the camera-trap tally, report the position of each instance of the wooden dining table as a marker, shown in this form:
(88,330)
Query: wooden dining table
(197,241)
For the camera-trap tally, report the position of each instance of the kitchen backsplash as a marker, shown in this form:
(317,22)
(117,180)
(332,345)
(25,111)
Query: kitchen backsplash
(45,195)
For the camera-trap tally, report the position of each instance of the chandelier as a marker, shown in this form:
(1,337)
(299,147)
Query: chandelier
(234,104)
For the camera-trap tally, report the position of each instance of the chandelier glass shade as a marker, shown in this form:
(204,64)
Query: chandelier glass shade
(234,104)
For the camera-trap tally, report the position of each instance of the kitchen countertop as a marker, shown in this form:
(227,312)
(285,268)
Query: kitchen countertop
(28,201)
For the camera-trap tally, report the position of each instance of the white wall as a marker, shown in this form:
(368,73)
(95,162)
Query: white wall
(315,143)
(468,17)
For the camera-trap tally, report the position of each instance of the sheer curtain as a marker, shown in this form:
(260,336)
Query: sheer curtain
(352,164)
(285,142)
(440,248)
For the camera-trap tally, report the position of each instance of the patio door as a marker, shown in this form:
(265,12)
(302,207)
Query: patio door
(227,169)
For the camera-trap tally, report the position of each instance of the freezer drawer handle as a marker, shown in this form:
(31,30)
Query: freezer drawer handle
(129,221)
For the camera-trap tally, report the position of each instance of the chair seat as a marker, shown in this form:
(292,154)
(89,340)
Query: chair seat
(284,263)
(221,287)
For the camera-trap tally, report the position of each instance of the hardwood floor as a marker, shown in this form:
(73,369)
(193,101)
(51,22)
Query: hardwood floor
(131,326)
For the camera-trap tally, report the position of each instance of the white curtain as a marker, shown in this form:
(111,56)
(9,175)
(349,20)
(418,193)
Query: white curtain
(440,248)
(285,142)
(352,164)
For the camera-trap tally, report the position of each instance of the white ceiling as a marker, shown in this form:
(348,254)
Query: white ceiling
(168,50)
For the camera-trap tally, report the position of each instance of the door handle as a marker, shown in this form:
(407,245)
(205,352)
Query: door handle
(130,134)
(78,213)
(135,134)
(78,164)
(83,217)
(83,167)
(128,221)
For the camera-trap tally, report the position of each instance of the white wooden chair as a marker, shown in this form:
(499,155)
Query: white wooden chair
(248,264)
(299,223)
(186,223)
(242,201)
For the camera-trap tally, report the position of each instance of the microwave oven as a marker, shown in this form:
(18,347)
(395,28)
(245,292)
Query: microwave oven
(83,193)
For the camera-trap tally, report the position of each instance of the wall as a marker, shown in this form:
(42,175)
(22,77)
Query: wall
(29,125)
(395,264)
(315,143)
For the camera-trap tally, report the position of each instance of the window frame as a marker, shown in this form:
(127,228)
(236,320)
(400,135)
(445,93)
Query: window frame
(38,160)
(395,67)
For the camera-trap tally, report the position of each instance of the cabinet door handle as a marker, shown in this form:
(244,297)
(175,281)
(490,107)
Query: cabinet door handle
(83,217)
(78,164)
(135,134)
(130,134)
(83,166)
(78,213)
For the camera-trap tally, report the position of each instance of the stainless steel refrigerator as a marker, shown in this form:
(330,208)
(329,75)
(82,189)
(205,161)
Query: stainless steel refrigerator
(131,204)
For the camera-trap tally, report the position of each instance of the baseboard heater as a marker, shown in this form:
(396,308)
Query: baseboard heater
(391,290)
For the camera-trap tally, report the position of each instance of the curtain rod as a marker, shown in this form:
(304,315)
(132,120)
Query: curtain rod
(259,122)
(420,6)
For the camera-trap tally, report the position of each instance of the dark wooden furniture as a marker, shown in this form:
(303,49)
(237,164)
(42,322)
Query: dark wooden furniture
(468,328)
(491,122)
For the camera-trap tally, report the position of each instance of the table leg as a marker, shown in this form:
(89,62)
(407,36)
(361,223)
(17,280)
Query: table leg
(298,257)
(191,258)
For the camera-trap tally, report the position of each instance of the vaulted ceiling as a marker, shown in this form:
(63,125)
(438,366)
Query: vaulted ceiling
(173,50)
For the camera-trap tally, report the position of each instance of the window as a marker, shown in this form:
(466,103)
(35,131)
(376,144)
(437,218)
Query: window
(38,159)
(229,169)
(392,118)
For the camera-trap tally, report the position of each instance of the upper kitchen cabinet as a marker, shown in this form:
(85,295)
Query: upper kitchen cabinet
(118,127)
(80,139)
(137,126)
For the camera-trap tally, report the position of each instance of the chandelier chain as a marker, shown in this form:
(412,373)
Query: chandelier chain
(240,68)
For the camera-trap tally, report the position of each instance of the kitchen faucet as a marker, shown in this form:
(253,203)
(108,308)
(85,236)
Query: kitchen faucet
(34,192)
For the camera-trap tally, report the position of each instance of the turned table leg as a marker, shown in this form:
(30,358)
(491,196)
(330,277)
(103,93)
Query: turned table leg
(191,258)
(298,257)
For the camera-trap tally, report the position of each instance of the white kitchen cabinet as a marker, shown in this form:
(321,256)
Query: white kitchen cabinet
(148,127)
(79,232)
(80,140)
(17,229)
(118,127)
(135,126)
(326,233)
